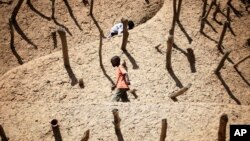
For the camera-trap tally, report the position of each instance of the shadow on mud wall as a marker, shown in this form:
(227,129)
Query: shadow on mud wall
(242,77)
(53,34)
(176,79)
(71,14)
(12,47)
(101,63)
(191,59)
(228,89)
(210,38)
(190,56)
(101,35)
(8,2)
(17,27)
(131,59)
(54,19)
(36,11)
(185,32)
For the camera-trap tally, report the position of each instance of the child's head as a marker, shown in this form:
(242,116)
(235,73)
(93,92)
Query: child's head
(131,24)
(115,61)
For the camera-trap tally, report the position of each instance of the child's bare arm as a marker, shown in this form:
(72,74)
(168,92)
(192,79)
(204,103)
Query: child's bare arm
(127,79)
(113,87)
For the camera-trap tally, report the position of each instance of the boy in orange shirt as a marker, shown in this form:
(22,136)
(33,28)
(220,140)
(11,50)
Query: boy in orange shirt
(122,80)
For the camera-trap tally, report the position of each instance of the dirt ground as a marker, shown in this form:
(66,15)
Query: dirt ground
(40,29)
(42,89)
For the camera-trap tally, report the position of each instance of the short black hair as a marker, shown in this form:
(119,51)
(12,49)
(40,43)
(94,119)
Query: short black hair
(115,61)
(131,24)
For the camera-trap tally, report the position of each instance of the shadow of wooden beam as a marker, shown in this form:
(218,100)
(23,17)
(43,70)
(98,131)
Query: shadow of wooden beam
(12,47)
(71,13)
(191,59)
(101,63)
(6,2)
(16,26)
(242,77)
(185,32)
(54,19)
(101,35)
(53,34)
(97,25)
(235,11)
(190,56)
(157,48)
(210,38)
(131,59)
(228,58)
(36,11)
(176,79)
(227,89)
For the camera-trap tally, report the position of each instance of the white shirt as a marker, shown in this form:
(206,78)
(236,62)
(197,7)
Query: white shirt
(117,28)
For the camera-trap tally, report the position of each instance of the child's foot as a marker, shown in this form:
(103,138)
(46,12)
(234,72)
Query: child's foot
(133,92)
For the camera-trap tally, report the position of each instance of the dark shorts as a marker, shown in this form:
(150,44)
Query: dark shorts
(121,94)
(113,34)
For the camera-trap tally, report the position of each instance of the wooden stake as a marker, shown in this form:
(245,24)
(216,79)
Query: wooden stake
(225,25)
(2,134)
(204,8)
(181,91)
(81,84)
(245,58)
(222,128)
(171,31)
(125,33)
(64,47)
(56,130)
(85,136)
(217,9)
(116,123)
(169,51)
(163,130)
(221,64)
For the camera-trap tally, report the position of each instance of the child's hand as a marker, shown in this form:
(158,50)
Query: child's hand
(128,83)
(113,87)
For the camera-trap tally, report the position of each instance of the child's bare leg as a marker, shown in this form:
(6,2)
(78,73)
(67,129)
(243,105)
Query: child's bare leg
(133,92)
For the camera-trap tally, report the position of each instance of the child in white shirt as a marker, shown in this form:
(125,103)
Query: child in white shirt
(117,29)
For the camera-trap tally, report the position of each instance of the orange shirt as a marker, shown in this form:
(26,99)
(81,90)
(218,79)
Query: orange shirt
(120,77)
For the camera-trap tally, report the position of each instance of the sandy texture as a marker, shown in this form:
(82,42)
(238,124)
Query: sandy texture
(81,27)
(186,121)
(42,89)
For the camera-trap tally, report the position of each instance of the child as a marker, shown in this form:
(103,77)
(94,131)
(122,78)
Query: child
(122,80)
(117,29)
